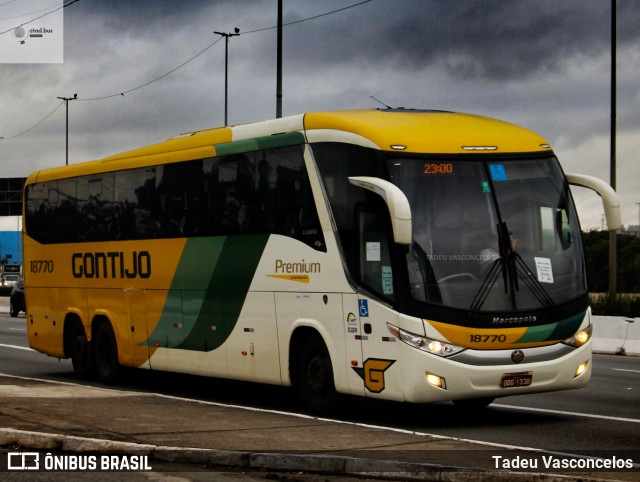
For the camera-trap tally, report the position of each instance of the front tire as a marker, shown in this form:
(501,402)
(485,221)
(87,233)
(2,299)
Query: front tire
(106,352)
(315,378)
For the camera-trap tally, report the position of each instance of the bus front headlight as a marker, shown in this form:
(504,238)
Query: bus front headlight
(580,338)
(435,347)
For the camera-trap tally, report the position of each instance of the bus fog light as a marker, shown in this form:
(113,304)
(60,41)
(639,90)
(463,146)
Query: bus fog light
(581,369)
(436,381)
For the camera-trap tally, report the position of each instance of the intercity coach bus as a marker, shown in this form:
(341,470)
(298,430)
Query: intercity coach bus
(400,254)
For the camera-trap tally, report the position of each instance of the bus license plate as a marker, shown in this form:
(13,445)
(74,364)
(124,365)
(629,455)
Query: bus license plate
(513,380)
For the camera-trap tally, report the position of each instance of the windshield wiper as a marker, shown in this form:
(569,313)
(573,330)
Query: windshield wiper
(486,286)
(531,282)
(511,264)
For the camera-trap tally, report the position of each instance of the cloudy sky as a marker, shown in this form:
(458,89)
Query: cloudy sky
(543,64)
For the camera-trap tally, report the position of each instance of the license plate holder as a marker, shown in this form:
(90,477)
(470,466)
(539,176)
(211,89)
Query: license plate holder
(515,380)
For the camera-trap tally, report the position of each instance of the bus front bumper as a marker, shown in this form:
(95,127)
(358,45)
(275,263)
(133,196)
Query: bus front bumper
(493,374)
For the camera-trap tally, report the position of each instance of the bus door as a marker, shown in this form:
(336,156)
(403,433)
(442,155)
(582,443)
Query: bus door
(379,347)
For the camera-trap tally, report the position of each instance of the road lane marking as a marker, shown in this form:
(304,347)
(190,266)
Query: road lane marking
(18,329)
(337,421)
(17,347)
(626,370)
(572,414)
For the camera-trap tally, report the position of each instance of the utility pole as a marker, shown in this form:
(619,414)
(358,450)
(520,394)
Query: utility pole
(226,36)
(66,101)
(613,271)
(279,64)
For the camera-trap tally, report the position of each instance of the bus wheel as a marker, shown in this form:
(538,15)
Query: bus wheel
(473,403)
(81,353)
(315,378)
(106,351)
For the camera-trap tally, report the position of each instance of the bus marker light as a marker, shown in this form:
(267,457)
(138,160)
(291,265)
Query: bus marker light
(244,353)
(581,369)
(435,380)
(354,363)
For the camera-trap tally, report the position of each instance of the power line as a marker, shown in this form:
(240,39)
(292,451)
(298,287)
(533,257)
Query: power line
(121,94)
(157,78)
(307,19)
(36,124)
(118,94)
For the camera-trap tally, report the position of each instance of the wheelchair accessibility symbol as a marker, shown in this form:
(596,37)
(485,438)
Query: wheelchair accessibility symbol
(364,308)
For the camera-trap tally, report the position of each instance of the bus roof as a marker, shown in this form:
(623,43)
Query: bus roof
(417,131)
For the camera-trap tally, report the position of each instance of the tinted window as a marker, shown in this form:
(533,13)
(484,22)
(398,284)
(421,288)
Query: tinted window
(261,192)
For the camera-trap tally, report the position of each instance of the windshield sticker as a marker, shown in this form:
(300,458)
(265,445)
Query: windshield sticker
(373,252)
(497,172)
(387,280)
(545,272)
(486,187)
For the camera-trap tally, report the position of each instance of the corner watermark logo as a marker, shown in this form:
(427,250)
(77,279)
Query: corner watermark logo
(32,32)
(35,461)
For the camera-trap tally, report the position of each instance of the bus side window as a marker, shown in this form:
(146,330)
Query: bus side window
(374,250)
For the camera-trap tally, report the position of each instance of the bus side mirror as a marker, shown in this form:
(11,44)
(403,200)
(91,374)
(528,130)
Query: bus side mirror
(396,201)
(609,197)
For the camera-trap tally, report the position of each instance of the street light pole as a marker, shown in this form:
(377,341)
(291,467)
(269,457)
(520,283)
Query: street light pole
(226,36)
(613,262)
(66,101)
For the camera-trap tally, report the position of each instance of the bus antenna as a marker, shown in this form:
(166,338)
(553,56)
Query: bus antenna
(378,100)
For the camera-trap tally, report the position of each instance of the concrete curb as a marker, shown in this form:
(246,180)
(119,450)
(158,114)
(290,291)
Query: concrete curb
(315,463)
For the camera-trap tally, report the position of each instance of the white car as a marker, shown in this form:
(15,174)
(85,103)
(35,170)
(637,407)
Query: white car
(11,279)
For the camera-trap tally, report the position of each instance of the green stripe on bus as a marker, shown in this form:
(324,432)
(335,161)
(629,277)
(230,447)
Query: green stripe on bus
(555,331)
(208,291)
(260,143)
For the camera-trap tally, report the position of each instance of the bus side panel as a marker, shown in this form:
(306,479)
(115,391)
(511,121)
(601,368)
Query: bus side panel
(137,352)
(44,326)
(171,318)
(252,347)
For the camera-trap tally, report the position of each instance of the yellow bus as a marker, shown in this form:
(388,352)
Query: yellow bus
(399,254)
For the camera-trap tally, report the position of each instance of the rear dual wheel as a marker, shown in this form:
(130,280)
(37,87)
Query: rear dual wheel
(97,357)
(106,354)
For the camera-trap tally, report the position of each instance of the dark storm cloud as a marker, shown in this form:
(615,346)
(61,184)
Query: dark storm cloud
(543,64)
(493,39)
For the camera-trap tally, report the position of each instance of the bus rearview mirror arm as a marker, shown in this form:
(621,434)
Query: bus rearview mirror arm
(610,199)
(396,201)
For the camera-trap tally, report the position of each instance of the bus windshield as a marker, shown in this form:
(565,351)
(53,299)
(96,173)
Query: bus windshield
(499,234)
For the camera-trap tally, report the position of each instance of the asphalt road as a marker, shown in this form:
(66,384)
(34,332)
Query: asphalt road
(603,419)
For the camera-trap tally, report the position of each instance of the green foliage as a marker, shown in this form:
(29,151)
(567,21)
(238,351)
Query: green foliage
(596,247)
(616,305)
